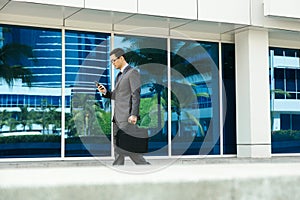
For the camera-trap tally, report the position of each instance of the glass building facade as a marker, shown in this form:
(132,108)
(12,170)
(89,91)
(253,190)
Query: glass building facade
(50,107)
(285,99)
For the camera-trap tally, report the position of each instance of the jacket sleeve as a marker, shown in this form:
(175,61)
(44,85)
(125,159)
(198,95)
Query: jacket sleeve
(135,88)
(108,95)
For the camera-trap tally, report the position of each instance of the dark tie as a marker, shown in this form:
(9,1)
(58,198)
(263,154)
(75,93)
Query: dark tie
(118,77)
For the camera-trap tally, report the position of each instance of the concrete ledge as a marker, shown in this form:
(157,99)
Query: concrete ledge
(254,151)
(156,161)
(176,182)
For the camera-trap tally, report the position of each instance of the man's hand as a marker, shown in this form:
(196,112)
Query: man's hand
(101,89)
(132,119)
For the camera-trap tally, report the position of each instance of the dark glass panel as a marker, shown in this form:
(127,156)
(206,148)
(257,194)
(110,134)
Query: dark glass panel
(195,100)
(285,122)
(290,80)
(296,122)
(279,78)
(229,130)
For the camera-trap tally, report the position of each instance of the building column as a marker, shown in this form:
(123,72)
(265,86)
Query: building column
(252,93)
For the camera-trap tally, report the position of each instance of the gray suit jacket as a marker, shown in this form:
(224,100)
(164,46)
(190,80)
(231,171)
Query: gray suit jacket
(126,95)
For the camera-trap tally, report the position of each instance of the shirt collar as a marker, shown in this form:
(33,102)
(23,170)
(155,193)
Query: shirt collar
(122,70)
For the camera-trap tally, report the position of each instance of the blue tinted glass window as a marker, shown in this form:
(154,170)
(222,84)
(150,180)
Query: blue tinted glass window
(56,101)
(21,100)
(35,129)
(284,109)
(87,117)
(290,80)
(228,74)
(285,52)
(149,56)
(298,80)
(296,122)
(32,101)
(194,110)
(279,78)
(285,122)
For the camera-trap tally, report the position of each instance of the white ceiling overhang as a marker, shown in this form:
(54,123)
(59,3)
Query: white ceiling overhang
(45,15)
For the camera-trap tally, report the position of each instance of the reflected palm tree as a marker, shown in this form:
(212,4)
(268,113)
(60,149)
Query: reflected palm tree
(104,120)
(158,89)
(12,123)
(47,116)
(11,57)
(151,54)
(25,117)
(192,67)
(189,59)
(181,101)
(70,124)
(52,117)
(149,113)
(4,118)
(84,114)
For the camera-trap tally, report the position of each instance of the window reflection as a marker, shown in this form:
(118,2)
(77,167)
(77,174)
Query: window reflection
(88,124)
(194,85)
(284,85)
(149,56)
(228,75)
(30,97)
(30,94)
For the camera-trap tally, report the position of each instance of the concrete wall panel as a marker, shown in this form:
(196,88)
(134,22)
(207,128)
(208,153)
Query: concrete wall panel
(258,17)
(114,5)
(170,8)
(232,11)
(71,3)
(281,8)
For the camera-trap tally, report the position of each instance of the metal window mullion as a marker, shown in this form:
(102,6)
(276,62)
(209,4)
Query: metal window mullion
(291,121)
(169,97)
(63,95)
(284,82)
(272,87)
(296,85)
(221,117)
(112,44)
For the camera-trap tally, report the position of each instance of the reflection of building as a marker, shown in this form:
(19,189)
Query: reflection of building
(285,88)
(12,98)
(84,61)
(87,58)
(45,87)
(249,27)
(45,68)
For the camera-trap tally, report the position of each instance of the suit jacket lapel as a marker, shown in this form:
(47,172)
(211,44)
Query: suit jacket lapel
(123,74)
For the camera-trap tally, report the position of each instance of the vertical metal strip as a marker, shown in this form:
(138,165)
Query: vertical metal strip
(272,87)
(221,118)
(169,98)
(112,74)
(63,95)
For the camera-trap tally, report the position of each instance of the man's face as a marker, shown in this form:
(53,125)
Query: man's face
(116,61)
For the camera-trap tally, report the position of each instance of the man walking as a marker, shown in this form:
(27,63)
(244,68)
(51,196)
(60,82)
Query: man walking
(127,102)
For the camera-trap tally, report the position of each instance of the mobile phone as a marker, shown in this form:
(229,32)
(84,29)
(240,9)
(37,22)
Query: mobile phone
(97,83)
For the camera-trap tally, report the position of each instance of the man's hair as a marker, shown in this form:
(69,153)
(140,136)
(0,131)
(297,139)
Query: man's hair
(118,52)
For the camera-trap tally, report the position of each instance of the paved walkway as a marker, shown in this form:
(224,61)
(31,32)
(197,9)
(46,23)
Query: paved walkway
(207,178)
(154,160)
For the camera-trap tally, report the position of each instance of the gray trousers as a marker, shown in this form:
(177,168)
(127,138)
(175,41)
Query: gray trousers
(120,154)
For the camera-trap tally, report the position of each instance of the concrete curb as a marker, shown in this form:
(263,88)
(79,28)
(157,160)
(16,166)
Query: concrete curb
(211,181)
